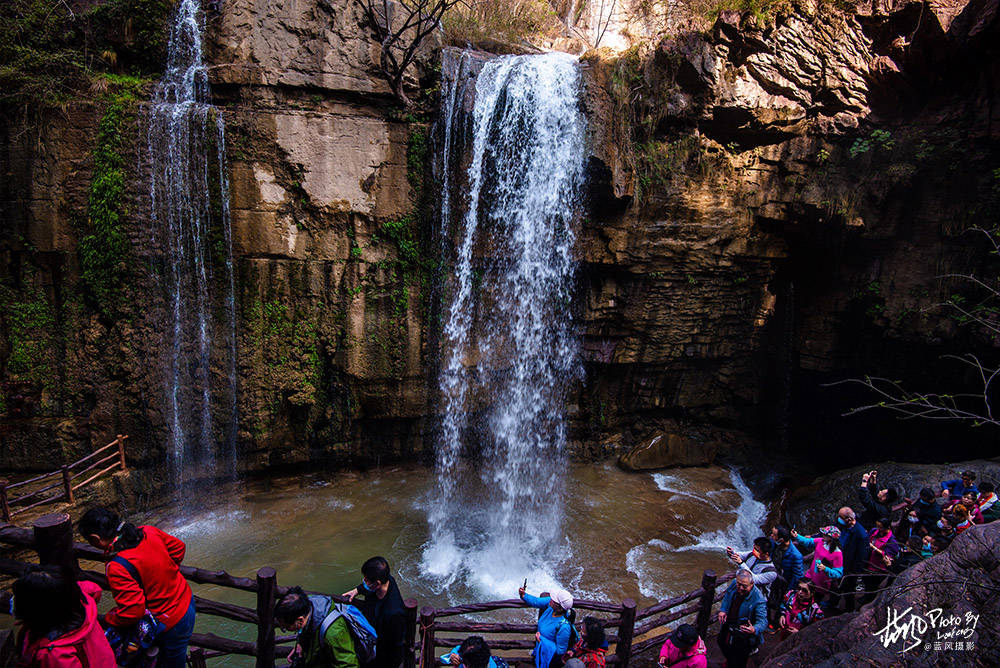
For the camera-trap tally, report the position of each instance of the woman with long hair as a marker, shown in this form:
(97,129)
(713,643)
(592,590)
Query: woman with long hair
(144,574)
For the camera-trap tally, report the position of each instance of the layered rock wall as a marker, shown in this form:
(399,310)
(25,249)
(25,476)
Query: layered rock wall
(772,206)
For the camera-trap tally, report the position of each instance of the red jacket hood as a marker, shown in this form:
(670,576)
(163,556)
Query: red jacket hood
(92,596)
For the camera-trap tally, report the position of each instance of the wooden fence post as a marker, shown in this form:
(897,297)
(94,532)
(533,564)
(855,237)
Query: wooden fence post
(625,632)
(4,504)
(197,658)
(427,658)
(708,581)
(409,658)
(267,586)
(54,540)
(67,486)
(121,451)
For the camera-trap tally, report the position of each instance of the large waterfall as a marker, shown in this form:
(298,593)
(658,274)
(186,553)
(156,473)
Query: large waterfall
(195,235)
(508,350)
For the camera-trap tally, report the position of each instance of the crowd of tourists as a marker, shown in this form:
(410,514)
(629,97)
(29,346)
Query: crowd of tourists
(774,592)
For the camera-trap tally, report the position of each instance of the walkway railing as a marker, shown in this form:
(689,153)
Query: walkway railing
(51,536)
(67,473)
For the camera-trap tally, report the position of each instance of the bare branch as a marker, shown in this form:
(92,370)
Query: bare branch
(402,35)
(607,21)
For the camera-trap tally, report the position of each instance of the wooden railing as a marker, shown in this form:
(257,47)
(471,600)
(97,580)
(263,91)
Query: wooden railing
(65,486)
(51,537)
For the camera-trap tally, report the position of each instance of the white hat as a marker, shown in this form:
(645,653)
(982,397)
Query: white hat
(563,598)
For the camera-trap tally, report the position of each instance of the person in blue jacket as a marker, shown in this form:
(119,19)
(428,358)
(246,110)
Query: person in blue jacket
(742,620)
(854,544)
(954,489)
(554,629)
(786,556)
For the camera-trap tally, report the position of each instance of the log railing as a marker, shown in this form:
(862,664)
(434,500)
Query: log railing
(51,537)
(64,479)
(632,631)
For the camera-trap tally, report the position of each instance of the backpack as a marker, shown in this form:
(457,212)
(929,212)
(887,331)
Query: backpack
(131,644)
(361,630)
(776,595)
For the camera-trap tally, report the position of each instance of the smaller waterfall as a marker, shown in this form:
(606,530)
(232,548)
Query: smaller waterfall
(198,244)
(508,350)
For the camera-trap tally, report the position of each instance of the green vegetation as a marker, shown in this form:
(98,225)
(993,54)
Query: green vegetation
(284,344)
(870,300)
(50,52)
(104,250)
(665,164)
(31,325)
(879,139)
(416,159)
(764,11)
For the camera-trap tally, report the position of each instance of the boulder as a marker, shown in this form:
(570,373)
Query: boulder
(666,449)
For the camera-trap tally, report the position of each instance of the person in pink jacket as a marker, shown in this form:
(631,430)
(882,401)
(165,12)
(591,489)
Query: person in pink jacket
(684,649)
(58,617)
(828,561)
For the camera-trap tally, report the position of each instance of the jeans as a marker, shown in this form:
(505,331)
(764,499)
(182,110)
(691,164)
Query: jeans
(174,641)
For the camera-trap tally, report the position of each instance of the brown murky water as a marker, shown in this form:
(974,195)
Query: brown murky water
(645,536)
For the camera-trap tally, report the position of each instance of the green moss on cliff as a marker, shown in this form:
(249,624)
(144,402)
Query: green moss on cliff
(104,250)
(283,346)
(30,324)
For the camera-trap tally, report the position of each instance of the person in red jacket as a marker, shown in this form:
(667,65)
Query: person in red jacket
(144,574)
(58,617)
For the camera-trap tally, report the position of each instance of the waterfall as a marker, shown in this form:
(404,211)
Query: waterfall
(197,243)
(508,350)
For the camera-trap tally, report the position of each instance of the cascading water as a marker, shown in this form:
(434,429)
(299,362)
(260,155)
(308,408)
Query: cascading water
(197,243)
(507,345)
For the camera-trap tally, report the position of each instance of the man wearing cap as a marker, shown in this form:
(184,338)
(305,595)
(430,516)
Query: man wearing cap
(684,649)
(554,629)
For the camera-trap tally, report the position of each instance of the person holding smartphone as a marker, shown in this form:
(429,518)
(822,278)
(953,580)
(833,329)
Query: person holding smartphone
(742,620)
(555,633)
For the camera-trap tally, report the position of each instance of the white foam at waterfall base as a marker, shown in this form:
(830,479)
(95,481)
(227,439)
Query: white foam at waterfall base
(636,560)
(207,525)
(749,516)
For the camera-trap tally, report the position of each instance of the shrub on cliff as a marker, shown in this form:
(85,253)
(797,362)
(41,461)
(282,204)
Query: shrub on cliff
(49,48)
(511,20)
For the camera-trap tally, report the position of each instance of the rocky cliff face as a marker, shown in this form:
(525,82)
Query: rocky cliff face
(771,207)
(796,195)
(326,181)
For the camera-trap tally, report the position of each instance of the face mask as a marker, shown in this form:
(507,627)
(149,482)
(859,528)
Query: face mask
(913,520)
(365,587)
(840,522)
(940,524)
